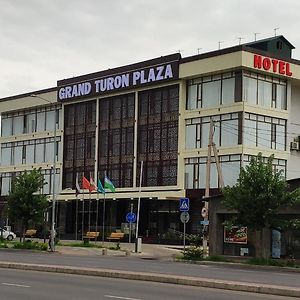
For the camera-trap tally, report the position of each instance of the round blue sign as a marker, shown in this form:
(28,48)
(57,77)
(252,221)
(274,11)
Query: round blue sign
(131,217)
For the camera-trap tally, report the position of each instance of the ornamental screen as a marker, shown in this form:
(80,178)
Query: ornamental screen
(158,136)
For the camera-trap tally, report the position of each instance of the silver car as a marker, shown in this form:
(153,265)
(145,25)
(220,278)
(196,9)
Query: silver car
(7,234)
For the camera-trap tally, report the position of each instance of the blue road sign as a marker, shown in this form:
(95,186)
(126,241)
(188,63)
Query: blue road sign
(205,223)
(184,204)
(131,217)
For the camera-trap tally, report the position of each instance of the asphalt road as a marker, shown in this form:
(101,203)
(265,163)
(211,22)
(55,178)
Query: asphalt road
(17,285)
(277,277)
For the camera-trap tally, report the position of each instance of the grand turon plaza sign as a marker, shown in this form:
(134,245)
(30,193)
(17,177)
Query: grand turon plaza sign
(77,88)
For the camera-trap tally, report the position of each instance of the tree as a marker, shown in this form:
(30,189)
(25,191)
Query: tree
(25,204)
(258,195)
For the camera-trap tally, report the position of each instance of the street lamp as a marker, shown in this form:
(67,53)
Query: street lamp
(52,232)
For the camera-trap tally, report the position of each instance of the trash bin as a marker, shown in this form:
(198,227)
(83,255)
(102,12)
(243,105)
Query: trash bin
(138,245)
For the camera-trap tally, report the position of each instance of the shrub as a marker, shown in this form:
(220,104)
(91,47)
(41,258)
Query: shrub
(116,247)
(31,245)
(193,253)
(3,243)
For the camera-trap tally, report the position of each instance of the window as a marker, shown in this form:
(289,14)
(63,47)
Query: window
(226,131)
(228,86)
(264,90)
(18,124)
(6,126)
(195,171)
(211,94)
(211,91)
(265,132)
(116,140)
(79,137)
(158,135)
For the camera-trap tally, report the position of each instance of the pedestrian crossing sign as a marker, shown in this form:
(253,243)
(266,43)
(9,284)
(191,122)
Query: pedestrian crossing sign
(184,204)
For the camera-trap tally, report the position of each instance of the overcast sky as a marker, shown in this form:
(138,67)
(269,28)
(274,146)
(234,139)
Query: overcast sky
(45,41)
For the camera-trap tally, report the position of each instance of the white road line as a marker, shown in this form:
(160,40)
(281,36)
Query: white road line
(17,285)
(118,297)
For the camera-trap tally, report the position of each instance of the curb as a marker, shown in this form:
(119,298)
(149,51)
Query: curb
(242,266)
(161,278)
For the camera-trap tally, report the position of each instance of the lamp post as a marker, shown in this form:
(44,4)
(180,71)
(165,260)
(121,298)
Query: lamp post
(52,232)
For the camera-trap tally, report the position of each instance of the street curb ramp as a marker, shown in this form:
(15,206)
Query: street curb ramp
(161,278)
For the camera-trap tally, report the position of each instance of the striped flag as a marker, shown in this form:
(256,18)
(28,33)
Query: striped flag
(92,184)
(109,185)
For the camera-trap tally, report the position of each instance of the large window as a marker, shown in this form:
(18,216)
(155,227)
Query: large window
(116,139)
(264,90)
(158,136)
(79,142)
(264,132)
(279,165)
(29,121)
(226,131)
(195,171)
(6,180)
(29,152)
(211,91)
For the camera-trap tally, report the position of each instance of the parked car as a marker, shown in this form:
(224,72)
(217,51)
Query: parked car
(6,233)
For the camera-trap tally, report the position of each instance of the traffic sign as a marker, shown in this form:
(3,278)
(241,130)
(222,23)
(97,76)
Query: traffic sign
(131,217)
(184,204)
(204,212)
(205,223)
(184,217)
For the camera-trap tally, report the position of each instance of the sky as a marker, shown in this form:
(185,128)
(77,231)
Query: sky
(45,41)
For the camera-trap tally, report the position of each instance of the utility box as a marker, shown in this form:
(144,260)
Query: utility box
(138,245)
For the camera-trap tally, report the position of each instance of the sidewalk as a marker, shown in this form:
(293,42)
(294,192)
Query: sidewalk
(149,251)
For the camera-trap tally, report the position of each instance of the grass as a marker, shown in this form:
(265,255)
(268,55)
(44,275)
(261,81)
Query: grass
(91,245)
(271,262)
(31,245)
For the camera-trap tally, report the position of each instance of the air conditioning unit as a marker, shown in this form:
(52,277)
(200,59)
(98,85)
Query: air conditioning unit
(294,145)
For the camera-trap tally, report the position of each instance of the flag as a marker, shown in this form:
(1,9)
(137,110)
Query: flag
(109,185)
(77,185)
(92,184)
(100,188)
(85,183)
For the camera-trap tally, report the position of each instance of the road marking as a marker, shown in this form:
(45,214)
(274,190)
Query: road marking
(118,297)
(17,285)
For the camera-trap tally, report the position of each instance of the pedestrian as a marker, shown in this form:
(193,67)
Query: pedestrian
(49,241)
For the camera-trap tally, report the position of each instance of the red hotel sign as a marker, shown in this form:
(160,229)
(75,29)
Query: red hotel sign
(272,64)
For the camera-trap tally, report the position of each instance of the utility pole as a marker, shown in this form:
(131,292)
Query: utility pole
(204,213)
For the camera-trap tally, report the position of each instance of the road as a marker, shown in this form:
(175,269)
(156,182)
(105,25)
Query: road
(277,277)
(17,285)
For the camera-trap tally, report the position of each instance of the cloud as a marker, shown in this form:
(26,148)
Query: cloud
(44,41)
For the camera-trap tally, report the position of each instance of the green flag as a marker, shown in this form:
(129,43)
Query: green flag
(109,185)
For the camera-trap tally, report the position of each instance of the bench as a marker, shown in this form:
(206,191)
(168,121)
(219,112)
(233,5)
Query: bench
(30,233)
(91,235)
(116,236)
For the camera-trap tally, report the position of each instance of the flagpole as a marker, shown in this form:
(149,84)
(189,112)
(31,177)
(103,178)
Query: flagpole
(97,207)
(82,221)
(90,211)
(76,218)
(103,220)
(139,204)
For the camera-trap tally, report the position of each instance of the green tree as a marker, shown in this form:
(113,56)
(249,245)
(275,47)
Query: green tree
(257,197)
(25,204)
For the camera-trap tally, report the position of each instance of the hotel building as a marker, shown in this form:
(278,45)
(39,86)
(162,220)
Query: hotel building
(156,111)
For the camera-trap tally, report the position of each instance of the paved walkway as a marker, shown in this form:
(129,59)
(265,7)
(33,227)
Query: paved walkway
(149,251)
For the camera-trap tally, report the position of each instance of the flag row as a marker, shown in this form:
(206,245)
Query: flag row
(91,185)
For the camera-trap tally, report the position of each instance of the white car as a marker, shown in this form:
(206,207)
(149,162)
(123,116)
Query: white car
(7,234)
